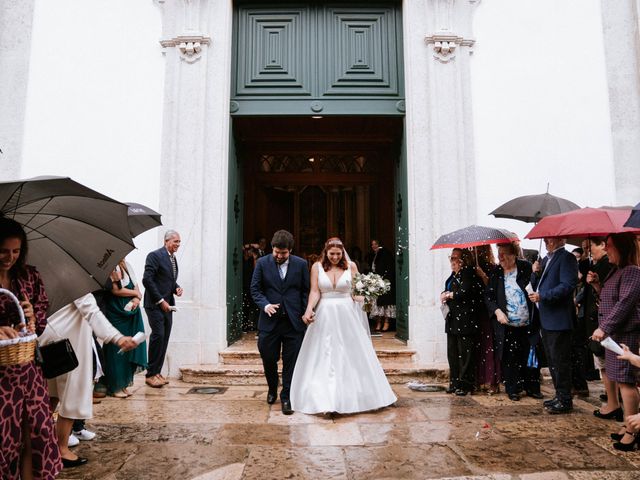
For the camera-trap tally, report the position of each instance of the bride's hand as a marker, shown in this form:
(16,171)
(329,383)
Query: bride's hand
(307,318)
(358,298)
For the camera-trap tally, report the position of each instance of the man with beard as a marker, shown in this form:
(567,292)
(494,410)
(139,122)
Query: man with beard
(280,288)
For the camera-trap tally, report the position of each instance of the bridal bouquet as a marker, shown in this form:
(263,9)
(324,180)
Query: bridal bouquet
(370,286)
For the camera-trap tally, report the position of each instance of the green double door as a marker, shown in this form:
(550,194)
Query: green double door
(319,60)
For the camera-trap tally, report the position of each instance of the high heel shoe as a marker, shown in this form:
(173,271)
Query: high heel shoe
(618,436)
(627,447)
(613,414)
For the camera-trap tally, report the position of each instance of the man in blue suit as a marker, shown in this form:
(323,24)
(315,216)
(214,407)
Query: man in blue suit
(554,281)
(280,288)
(160,281)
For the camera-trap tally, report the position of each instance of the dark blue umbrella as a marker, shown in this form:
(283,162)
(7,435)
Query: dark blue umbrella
(474,236)
(634,218)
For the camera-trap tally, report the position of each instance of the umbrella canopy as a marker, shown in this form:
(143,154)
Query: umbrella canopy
(532,208)
(142,218)
(474,236)
(583,223)
(634,218)
(76,235)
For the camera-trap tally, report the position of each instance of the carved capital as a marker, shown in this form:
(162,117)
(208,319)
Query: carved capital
(189,46)
(445,45)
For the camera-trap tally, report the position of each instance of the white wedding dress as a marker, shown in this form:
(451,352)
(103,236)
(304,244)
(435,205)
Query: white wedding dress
(337,368)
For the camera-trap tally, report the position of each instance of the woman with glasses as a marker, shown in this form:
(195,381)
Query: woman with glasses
(463,296)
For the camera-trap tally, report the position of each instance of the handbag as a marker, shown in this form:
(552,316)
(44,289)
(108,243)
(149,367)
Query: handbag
(56,358)
(444,308)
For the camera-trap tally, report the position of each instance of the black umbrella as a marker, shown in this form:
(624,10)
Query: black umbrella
(634,218)
(532,208)
(142,218)
(474,236)
(76,235)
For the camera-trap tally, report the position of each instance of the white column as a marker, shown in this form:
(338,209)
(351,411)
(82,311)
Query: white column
(440,155)
(16,22)
(620,20)
(194,169)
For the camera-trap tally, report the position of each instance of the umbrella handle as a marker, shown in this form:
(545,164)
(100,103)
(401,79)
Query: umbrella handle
(17,302)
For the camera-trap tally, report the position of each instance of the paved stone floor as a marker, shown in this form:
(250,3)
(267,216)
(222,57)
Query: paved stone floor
(171,434)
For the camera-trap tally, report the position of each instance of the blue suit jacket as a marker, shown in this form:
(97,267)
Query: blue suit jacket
(158,279)
(555,286)
(291,293)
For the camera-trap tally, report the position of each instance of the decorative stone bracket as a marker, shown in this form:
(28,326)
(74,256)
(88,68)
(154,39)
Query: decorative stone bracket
(189,46)
(446,44)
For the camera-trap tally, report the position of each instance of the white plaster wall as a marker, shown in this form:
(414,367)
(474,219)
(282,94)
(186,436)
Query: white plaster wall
(541,107)
(94,102)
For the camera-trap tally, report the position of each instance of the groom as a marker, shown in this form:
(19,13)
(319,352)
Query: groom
(280,288)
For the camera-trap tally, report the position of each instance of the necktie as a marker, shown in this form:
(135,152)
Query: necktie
(174,267)
(281,270)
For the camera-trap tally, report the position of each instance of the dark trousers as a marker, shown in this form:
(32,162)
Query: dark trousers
(160,323)
(557,346)
(286,339)
(461,356)
(580,355)
(515,353)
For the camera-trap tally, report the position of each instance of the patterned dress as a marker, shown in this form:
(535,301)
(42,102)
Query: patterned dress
(619,317)
(24,395)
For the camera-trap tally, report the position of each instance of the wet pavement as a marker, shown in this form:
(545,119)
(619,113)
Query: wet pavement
(169,433)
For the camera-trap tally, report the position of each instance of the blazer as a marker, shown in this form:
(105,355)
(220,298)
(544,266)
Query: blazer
(620,302)
(555,286)
(291,293)
(158,279)
(464,308)
(495,297)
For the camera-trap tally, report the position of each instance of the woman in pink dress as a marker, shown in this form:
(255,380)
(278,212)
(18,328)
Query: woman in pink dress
(28,447)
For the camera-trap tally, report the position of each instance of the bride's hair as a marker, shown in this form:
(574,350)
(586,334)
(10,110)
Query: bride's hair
(333,242)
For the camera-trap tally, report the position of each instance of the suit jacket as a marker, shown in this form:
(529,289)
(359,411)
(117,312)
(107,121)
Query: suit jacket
(555,286)
(464,307)
(158,279)
(291,293)
(495,297)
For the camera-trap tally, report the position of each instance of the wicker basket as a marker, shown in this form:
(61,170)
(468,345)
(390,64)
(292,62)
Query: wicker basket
(17,353)
(20,352)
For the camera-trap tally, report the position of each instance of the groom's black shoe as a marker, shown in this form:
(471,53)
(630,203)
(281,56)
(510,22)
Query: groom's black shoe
(271,397)
(286,407)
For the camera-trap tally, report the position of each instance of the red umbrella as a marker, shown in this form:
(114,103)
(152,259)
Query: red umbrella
(585,222)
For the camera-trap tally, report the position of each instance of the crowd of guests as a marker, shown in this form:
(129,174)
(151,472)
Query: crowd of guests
(504,319)
(32,444)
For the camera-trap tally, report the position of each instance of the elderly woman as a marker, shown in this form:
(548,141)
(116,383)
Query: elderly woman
(463,296)
(619,318)
(77,321)
(28,446)
(507,300)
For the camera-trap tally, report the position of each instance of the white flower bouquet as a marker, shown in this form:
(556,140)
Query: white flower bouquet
(370,286)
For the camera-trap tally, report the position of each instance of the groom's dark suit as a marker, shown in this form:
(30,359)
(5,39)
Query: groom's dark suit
(285,329)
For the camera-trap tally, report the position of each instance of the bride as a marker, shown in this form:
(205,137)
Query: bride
(337,369)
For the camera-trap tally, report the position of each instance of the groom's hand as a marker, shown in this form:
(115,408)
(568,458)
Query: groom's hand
(271,309)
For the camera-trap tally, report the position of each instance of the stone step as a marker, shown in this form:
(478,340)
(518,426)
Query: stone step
(252,357)
(225,374)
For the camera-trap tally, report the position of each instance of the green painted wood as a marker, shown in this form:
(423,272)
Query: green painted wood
(234,246)
(317,58)
(402,246)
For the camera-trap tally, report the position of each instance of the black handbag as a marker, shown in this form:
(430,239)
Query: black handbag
(56,358)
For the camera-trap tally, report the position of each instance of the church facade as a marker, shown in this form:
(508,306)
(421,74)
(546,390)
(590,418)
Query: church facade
(337,118)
